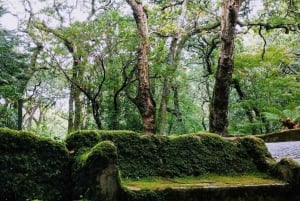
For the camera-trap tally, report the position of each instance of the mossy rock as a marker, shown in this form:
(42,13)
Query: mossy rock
(32,167)
(95,173)
(255,150)
(288,170)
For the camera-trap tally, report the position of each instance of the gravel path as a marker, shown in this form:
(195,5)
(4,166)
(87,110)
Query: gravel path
(281,150)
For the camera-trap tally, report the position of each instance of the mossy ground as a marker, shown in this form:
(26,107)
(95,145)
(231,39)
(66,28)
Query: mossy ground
(209,180)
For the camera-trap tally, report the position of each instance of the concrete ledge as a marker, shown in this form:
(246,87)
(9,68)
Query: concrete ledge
(288,135)
(273,192)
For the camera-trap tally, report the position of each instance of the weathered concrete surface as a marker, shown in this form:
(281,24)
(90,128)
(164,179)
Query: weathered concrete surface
(283,136)
(245,193)
(276,192)
(281,150)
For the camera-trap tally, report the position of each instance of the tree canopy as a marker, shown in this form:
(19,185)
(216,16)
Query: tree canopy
(154,67)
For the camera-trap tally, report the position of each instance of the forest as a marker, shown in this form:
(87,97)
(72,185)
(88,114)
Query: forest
(151,66)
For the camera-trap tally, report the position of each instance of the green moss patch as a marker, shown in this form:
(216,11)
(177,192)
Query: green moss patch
(154,183)
(89,166)
(175,156)
(32,167)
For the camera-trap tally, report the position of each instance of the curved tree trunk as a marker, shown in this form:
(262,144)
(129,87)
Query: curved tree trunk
(143,100)
(218,120)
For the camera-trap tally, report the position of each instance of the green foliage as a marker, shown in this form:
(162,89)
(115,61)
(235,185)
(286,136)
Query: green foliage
(13,78)
(8,117)
(194,154)
(277,115)
(110,35)
(32,167)
(270,92)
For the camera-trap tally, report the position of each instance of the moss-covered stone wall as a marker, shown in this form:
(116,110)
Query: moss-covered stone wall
(32,168)
(194,154)
(88,166)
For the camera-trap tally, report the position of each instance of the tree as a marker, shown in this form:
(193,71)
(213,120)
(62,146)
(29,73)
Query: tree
(181,23)
(87,74)
(218,120)
(15,74)
(264,87)
(143,100)
(120,72)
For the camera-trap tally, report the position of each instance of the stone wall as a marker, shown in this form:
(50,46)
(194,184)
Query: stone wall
(283,136)
(33,168)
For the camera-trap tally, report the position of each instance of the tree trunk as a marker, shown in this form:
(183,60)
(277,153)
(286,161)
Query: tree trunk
(220,99)
(96,112)
(166,88)
(75,105)
(20,113)
(177,111)
(143,100)
(162,114)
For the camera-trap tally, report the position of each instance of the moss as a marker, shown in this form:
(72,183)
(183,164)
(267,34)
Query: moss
(80,139)
(255,150)
(191,154)
(105,150)
(32,167)
(199,154)
(289,170)
(88,168)
(153,183)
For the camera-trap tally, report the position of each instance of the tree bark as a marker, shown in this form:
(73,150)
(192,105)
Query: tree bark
(143,100)
(178,115)
(220,99)
(75,104)
(20,113)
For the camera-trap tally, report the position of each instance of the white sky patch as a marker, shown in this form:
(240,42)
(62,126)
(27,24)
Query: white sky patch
(9,22)
(256,6)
